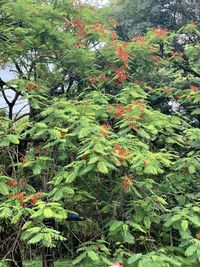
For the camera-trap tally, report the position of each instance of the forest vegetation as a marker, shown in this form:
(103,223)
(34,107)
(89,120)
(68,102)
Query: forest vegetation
(103,167)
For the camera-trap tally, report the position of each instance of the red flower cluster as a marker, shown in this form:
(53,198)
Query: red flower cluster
(99,78)
(19,196)
(141,105)
(104,30)
(121,152)
(122,54)
(141,39)
(35,198)
(140,108)
(160,32)
(100,28)
(30,86)
(194,88)
(79,24)
(12,183)
(121,111)
(104,130)
(79,43)
(113,35)
(113,22)
(121,75)
(127,182)
(178,55)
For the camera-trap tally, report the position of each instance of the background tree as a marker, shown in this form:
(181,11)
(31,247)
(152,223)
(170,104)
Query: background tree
(136,17)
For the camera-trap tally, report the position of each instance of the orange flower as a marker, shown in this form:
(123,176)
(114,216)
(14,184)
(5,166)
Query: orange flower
(113,22)
(119,111)
(35,198)
(37,87)
(80,26)
(141,116)
(139,39)
(160,32)
(122,54)
(134,127)
(12,183)
(113,35)
(121,152)
(194,88)
(198,236)
(19,196)
(100,28)
(104,130)
(117,147)
(127,182)
(121,75)
(29,86)
(99,78)
(168,90)
(106,126)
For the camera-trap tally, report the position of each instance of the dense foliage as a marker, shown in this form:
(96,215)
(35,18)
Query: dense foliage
(137,16)
(112,133)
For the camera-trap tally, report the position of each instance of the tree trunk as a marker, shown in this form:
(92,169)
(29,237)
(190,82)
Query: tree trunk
(17,258)
(47,253)
(47,257)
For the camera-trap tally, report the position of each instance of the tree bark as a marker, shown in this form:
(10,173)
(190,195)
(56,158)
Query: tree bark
(47,253)
(47,257)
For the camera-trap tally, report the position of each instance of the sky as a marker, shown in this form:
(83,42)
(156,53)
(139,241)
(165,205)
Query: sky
(7,74)
(102,2)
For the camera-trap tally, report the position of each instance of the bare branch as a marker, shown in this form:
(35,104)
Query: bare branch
(21,110)
(22,116)
(6,99)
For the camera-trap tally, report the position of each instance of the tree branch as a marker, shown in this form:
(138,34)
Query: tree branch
(22,116)
(6,99)
(18,68)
